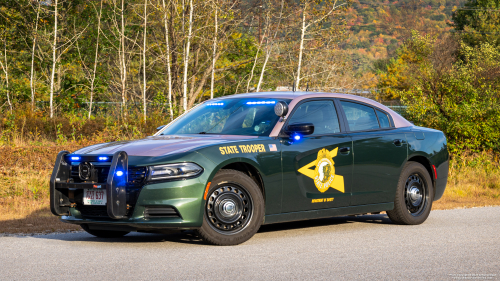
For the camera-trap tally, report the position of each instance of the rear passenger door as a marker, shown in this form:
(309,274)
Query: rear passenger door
(379,152)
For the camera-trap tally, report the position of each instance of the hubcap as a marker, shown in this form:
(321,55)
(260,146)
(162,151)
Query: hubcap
(229,209)
(415,195)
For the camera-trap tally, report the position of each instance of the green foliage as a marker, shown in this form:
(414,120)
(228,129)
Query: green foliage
(479,22)
(452,87)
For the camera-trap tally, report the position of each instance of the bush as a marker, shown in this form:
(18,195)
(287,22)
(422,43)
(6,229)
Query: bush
(449,86)
(24,126)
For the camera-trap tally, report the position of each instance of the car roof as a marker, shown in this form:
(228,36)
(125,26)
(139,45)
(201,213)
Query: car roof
(296,97)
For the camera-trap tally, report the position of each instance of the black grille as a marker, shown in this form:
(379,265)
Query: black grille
(160,212)
(96,211)
(92,211)
(136,175)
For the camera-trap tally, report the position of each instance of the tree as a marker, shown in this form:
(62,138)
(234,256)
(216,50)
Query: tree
(453,87)
(478,22)
(318,26)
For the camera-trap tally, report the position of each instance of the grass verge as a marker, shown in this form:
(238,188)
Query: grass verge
(474,181)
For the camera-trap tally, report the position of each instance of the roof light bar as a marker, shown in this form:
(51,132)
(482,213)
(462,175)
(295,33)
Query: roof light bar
(260,102)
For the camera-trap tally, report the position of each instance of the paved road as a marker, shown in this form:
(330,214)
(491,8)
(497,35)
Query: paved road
(450,245)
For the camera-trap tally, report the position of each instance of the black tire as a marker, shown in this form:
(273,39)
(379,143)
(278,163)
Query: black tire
(104,233)
(233,211)
(414,195)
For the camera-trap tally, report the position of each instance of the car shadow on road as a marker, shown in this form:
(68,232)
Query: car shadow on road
(190,237)
(375,219)
(187,237)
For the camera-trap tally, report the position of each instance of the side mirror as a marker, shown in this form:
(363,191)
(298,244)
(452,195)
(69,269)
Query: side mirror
(281,109)
(159,128)
(300,129)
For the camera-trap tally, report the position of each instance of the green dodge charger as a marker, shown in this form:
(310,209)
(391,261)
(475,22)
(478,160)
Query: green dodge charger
(234,163)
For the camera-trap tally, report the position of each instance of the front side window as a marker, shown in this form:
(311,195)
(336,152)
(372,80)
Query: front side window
(321,114)
(359,117)
(243,116)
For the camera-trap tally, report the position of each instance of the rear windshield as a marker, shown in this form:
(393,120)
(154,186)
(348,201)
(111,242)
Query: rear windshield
(244,116)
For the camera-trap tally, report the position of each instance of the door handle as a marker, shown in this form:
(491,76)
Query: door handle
(398,142)
(345,149)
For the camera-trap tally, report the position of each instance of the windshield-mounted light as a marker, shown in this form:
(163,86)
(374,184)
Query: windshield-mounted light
(174,171)
(215,104)
(260,102)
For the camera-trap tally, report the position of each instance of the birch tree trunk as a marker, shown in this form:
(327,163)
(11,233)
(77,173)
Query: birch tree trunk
(95,61)
(32,74)
(144,60)
(263,70)
(253,67)
(169,71)
(269,48)
(123,70)
(213,54)
(54,60)
(186,58)
(301,48)
(6,71)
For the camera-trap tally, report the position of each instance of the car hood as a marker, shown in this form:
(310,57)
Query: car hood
(160,145)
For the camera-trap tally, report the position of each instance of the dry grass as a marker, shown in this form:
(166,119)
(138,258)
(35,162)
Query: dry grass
(474,181)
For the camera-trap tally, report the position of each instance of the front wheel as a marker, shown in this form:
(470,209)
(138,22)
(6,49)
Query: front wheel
(414,195)
(234,209)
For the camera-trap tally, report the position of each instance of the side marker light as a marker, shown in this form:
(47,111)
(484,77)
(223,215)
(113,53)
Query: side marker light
(206,191)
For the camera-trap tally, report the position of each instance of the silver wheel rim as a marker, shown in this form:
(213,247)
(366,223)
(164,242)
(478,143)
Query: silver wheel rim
(416,195)
(229,209)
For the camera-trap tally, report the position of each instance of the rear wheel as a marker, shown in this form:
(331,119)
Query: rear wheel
(104,233)
(414,195)
(234,209)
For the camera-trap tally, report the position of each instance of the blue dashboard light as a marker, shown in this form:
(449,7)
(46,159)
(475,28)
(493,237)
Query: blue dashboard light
(103,158)
(296,137)
(75,158)
(119,173)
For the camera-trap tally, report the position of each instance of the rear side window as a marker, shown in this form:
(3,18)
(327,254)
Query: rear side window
(383,119)
(321,114)
(360,117)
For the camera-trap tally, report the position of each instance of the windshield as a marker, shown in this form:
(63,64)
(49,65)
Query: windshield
(243,116)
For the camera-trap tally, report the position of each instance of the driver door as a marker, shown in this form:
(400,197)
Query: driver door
(317,168)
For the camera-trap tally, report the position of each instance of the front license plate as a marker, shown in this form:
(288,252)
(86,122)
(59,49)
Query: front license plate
(94,197)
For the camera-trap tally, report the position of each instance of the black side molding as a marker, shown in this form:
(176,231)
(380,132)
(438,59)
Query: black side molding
(59,202)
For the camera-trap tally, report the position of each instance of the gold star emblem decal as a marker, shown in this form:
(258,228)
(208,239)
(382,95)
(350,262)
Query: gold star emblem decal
(324,172)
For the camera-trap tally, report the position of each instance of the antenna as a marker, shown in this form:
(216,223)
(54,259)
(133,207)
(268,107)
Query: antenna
(307,87)
(293,87)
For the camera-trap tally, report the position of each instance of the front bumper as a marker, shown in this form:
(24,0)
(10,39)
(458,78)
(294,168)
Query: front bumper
(165,205)
(184,196)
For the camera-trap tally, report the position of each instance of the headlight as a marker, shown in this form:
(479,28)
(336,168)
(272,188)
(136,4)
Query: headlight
(173,171)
